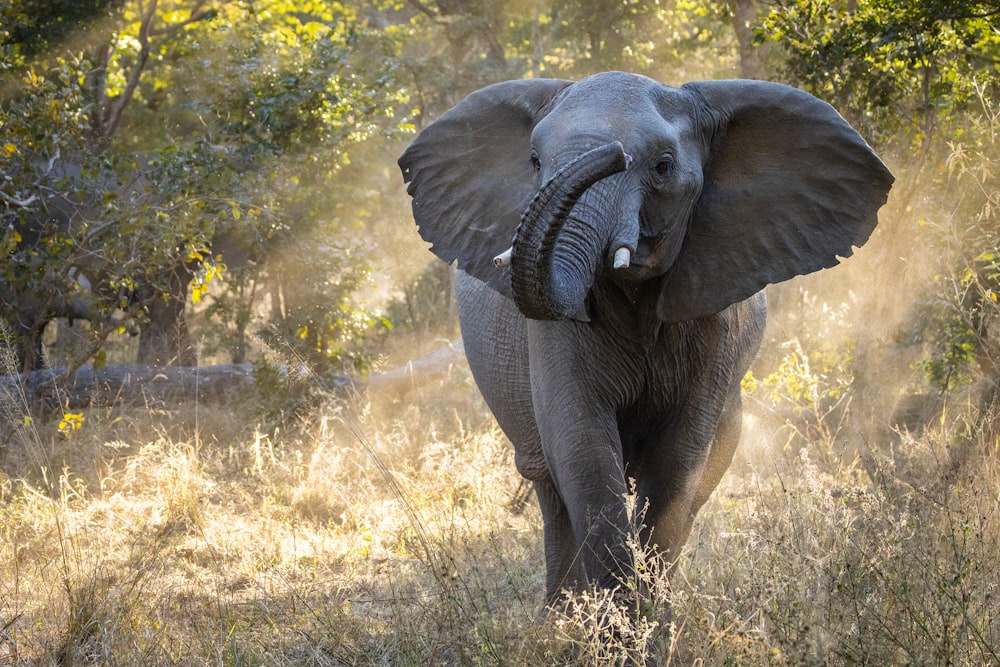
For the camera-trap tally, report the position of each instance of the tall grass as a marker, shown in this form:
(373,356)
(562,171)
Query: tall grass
(396,532)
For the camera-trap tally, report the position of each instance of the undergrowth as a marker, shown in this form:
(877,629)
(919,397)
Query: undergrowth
(396,532)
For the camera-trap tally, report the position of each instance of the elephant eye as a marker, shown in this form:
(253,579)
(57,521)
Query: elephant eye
(535,162)
(664,167)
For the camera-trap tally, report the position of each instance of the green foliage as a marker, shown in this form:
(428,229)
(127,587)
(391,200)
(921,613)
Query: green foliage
(803,380)
(453,48)
(322,321)
(284,396)
(894,68)
(961,313)
(952,344)
(646,37)
(295,92)
(32,27)
(165,167)
(49,248)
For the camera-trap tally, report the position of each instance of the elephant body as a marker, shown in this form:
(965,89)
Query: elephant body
(666,415)
(641,223)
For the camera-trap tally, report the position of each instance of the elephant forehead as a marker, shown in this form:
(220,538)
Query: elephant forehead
(616,94)
(634,110)
(613,86)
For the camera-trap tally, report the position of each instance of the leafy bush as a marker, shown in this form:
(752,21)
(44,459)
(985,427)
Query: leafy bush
(427,307)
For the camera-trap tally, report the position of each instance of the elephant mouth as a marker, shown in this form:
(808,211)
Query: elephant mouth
(553,265)
(652,255)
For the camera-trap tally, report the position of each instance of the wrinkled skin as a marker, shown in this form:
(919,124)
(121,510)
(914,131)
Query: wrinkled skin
(599,375)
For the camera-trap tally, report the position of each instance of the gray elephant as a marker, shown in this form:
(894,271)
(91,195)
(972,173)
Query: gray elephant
(634,226)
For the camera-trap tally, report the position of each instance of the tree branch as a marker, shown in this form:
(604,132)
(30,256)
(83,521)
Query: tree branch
(114,112)
(196,14)
(13,201)
(424,9)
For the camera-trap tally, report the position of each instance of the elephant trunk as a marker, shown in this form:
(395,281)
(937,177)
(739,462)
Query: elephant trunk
(550,280)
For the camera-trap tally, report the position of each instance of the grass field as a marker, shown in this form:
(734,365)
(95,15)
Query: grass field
(397,532)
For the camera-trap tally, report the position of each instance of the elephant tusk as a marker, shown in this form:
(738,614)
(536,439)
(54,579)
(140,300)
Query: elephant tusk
(622,258)
(503,259)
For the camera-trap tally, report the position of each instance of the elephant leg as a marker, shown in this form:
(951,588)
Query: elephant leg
(496,348)
(676,488)
(593,489)
(563,567)
(582,447)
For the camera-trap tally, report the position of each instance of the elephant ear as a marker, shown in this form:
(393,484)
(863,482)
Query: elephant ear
(470,174)
(788,188)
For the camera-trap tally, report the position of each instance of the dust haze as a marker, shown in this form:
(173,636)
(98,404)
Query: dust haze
(303,523)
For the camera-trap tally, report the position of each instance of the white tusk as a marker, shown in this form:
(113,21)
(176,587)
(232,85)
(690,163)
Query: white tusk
(503,259)
(622,258)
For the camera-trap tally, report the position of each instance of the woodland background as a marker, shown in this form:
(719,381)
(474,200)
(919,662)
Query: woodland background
(226,176)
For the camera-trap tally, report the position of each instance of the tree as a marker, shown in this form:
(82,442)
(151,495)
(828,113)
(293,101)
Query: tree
(170,164)
(920,78)
(82,194)
(299,87)
(902,71)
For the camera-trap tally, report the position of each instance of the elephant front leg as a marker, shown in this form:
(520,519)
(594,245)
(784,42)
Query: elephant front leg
(684,471)
(581,445)
(590,480)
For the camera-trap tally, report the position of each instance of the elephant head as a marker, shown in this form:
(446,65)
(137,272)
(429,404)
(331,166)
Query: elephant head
(713,190)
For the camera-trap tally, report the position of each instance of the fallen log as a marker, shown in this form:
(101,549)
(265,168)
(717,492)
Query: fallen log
(429,368)
(149,385)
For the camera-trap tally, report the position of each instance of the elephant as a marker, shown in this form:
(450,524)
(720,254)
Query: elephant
(613,237)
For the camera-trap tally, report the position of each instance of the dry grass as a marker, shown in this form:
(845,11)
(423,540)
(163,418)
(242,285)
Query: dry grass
(394,534)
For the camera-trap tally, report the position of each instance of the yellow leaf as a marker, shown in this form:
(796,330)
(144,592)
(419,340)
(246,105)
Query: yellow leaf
(9,149)
(71,421)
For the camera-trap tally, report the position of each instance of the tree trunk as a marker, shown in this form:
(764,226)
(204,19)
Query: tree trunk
(165,339)
(751,56)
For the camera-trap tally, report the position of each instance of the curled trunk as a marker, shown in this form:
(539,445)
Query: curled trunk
(548,284)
